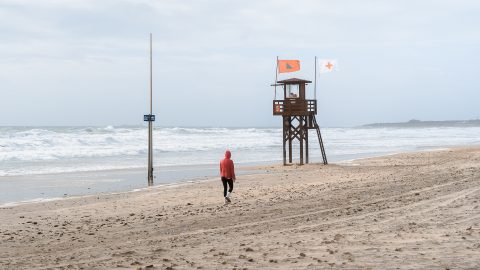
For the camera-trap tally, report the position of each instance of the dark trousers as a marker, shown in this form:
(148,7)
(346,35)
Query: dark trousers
(226,181)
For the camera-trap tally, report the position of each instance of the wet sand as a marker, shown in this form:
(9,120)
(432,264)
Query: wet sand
(406,211)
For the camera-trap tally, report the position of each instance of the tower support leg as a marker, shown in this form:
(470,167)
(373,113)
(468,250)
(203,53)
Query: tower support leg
(290,150)
(301,136)
(290,134)
(306,144)
(284,139)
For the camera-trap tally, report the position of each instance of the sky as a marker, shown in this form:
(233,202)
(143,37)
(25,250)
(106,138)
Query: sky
(85,62)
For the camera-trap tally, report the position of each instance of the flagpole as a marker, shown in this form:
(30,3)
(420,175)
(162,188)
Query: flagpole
(315,84)
(150,123)
(276,78)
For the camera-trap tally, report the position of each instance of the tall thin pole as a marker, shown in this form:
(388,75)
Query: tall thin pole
(276,78)
(315,84)
(150,124)
(151,76)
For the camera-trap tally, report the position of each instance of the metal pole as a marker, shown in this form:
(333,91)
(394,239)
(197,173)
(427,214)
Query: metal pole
(150,125)
(315,84)
(151,76)
(276,78)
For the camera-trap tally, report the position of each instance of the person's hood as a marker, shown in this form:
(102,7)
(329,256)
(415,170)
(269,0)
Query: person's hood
(228,154)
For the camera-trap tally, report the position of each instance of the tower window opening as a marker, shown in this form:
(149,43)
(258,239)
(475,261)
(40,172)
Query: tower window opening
(293,90)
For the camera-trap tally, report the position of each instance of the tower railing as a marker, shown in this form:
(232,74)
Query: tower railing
(295,107)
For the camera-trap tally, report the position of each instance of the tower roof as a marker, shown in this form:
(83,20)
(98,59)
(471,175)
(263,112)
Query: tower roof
(294,81)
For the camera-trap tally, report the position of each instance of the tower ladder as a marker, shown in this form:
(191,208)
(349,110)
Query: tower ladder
(319,135)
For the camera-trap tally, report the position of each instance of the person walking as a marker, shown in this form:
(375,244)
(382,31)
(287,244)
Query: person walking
(227,174)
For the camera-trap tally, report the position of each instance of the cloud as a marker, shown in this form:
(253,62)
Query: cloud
(210,49)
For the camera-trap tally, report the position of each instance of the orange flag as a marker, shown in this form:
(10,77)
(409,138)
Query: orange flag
(288,66)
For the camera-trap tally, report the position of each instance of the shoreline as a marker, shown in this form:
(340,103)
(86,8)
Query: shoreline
(249,169)
(409,210)
(185,181)
(86,196)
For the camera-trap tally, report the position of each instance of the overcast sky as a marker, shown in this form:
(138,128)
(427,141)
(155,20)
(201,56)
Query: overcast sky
(84,62)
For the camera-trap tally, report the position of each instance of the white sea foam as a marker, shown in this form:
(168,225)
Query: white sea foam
(57,162)
(44,150)
(38,200)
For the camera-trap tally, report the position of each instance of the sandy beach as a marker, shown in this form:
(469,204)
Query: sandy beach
(405,211)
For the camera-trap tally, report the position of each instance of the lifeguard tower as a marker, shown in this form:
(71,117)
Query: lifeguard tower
(298,115)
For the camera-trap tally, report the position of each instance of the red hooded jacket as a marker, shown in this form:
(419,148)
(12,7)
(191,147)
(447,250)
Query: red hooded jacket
(227,169)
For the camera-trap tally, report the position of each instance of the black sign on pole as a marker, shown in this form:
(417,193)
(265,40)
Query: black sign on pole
(149,117)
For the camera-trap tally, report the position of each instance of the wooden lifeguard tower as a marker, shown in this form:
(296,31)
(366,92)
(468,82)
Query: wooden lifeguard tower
(298,115)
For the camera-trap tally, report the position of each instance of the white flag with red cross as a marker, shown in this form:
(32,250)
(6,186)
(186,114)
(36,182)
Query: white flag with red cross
(328,65)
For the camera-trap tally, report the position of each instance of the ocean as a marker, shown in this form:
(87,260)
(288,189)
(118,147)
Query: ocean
(42,163)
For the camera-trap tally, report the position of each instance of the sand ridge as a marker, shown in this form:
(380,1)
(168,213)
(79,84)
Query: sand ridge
(406,211)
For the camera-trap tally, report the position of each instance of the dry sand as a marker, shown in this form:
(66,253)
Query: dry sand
(406,211)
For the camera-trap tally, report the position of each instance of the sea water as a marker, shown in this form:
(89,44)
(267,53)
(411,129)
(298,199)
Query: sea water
(46,162)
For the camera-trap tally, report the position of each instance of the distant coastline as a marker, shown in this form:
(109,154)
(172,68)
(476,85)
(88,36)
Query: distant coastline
(418,123)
